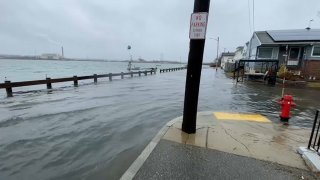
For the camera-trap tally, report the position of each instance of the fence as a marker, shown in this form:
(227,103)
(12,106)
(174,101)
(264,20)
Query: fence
(314,141)
(172,69)
(8,85)
(256,69)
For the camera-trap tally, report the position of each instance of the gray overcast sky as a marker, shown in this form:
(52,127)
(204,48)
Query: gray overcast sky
(104,28)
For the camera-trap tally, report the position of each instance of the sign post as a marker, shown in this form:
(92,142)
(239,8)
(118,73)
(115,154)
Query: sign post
(198,27)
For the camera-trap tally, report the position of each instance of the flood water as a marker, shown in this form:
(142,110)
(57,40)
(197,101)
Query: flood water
(97,131)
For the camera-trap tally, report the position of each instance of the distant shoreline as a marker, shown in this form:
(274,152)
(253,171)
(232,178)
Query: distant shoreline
(94,60)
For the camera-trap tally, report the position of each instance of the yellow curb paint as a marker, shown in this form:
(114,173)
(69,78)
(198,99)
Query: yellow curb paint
(241,117)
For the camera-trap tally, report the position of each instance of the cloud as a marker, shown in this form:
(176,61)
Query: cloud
(103,29)
(47,38)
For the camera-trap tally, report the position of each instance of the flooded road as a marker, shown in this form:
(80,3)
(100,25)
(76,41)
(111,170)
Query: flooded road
(97,131)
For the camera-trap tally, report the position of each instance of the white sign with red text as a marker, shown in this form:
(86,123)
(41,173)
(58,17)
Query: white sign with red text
(198,25)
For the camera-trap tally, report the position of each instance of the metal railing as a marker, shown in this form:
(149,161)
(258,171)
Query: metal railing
(172,69)
(314,141)
(8,85)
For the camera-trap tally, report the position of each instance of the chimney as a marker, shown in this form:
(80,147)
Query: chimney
(62,53)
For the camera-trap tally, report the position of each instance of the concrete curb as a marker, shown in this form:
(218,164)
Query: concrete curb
(137,164)
(311,158)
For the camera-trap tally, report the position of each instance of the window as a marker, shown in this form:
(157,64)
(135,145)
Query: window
(294,53)
(316,51)
(265,53)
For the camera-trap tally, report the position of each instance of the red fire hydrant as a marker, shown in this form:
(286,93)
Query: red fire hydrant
(286,104)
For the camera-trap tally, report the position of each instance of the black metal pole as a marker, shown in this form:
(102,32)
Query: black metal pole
(193,75)
(313,128)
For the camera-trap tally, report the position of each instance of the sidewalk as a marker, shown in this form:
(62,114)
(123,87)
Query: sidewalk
(226,146)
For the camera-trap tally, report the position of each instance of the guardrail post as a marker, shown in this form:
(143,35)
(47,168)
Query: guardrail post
(121,75)
(8,88)
(95,78)
(131,73)
(75,81)
(145,73)
(110,76)
(49,85)
(151,72)
(139,73)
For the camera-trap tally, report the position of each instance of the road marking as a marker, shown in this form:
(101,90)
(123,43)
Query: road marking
(241,117)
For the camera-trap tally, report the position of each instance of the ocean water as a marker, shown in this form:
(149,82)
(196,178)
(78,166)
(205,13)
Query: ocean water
(97,131)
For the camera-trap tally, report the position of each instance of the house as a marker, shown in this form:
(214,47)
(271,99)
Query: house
(225,58)
(238,54)
(298,49)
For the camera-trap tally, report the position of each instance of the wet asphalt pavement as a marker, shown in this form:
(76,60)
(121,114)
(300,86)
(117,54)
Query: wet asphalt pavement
(171,160)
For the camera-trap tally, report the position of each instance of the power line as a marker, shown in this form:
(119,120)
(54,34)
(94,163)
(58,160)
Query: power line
(253,15)
(249,10)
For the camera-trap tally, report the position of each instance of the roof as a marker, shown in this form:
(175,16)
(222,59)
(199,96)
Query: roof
(264,37)
(239,47)
(227,54)
(297,36)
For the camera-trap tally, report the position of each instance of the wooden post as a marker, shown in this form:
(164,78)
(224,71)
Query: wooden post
(131,73)
(151,72)
(139,73)
(95,78)
(145,73)
(110,76)
(195,58)
(234,70)
(121,75)
(75,81)
(8,88)
(49,85)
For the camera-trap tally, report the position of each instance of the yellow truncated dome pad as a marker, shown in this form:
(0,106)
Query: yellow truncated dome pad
(241,117)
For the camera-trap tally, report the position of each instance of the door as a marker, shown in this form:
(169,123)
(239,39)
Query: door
(294,56)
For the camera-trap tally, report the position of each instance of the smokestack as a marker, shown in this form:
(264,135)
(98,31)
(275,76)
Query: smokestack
(62,54)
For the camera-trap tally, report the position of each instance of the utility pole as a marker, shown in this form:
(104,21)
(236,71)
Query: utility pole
(217,52)
(198,25)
